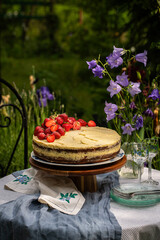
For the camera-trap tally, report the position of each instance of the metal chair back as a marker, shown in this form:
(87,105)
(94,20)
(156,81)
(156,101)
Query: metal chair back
(7,121)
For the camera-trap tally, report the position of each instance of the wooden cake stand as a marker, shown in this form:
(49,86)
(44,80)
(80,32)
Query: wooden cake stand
(83,177)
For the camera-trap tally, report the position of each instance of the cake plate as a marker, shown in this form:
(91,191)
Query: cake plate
(83,177)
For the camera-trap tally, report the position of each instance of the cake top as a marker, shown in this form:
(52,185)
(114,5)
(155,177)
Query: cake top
(63,132)
(86,137)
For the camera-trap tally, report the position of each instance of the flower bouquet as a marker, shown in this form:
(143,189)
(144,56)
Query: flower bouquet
(133,101)
(133,104)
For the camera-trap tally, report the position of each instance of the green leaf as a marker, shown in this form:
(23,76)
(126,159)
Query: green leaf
(74,195)
(138,75)
(66,195)
(141,133)
(62,195)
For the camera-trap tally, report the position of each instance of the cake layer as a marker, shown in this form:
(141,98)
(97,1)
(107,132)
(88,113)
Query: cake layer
(80,146)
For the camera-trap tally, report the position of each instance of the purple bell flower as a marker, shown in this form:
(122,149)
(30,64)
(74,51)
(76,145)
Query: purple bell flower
(114,88)
(149,113)
(119,51)
(132,105)
(127,129)
(91,64)
(98,71)
(114,60)
(122,79)
(43,95)
(134,88)
(142,57)
(110,110)
(139,122)
(154,94)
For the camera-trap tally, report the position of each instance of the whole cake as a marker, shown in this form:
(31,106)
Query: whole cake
(66,140)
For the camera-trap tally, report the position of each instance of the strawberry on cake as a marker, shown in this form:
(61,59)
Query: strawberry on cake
(64,139)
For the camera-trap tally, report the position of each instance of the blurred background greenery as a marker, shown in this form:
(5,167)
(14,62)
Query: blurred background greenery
(58,37)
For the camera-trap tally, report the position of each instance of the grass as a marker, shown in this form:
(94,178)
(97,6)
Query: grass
(9,135)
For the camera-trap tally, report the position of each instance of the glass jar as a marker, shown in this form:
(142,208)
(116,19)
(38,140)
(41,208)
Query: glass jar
(130,169)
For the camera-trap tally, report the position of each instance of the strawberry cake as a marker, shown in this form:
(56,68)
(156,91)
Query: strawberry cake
(64,139)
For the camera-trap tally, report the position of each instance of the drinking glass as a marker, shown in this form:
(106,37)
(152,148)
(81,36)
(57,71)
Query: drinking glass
(152,145)
(139,155)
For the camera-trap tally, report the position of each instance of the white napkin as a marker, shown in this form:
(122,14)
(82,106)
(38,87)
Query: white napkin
(56,191)
(24,183)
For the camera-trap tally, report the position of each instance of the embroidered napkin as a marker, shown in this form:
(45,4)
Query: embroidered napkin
(56,191)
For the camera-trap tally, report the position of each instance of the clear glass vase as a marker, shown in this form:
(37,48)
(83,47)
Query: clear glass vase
(130,169)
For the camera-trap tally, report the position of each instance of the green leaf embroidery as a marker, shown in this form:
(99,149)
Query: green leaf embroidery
(72,195)
(62,195)
(66,197)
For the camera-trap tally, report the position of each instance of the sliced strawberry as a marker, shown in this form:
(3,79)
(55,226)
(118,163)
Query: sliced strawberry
(56,134)
(91,123)
(47,135)
(50,122)
(51,138)
(46,120)
(76,125)
(61,131)
(71,120)
(67,126)
(47,131)
(83,123)
(64,116)
(54,127)
(59,120)
(41,136)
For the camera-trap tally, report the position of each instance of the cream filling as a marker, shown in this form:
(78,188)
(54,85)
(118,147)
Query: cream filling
(74,156)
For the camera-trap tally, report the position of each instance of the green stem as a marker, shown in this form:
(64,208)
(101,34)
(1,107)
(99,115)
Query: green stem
(105,70)
(138,136)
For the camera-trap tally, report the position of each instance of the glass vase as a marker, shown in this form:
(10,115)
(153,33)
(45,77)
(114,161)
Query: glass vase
(130,169)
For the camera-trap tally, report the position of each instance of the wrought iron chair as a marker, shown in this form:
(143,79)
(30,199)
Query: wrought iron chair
(7,121)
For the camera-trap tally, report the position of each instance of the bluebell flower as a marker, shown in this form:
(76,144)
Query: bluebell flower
(154,94)
(142,57)
(132,105)
(127,129)
(114,88)
(110,110)
(114,60)
(148,113)
(91,64)
(122,79)
(119,51)
(98,71)
(134,88)
(43,95)
(139,122)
